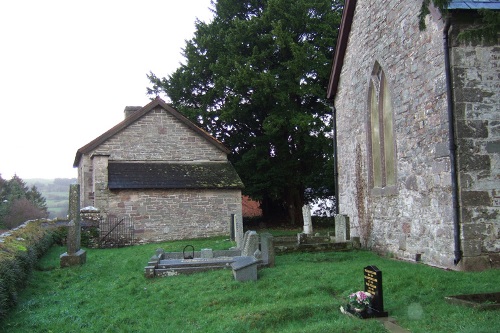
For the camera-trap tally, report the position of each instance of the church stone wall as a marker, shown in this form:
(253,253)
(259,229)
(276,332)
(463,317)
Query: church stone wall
(416,217)
(415,220)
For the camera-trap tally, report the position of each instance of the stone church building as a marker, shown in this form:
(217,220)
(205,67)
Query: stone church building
(418,133)
(160,169)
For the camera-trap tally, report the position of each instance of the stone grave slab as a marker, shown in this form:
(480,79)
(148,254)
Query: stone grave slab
(485,301)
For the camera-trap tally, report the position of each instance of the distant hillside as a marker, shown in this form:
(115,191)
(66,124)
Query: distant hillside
(55,192)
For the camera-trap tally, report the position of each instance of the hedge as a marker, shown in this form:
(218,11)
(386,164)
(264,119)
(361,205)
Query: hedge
(20,249)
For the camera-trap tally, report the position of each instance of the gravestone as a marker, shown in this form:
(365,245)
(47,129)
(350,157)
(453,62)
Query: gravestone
(373,285)
(207,253)
(250,243)
(245,239)
(306,215)
(342,229)
(238,230)
(74,255)
(267,247)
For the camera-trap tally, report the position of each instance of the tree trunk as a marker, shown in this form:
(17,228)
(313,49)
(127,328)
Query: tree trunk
(294,202)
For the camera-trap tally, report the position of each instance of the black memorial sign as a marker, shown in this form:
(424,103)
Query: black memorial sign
(373,285)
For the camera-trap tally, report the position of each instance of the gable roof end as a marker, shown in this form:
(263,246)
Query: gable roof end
(157,102)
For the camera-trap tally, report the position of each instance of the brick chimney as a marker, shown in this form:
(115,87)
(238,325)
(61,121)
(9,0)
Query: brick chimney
(131,109)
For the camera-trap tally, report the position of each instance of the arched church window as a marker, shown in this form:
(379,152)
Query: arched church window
(381,136)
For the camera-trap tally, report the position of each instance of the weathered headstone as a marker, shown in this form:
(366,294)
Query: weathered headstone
(238,230)
(306,215)
(74,255)
(267,248)
(245,239)
(250,244)
(373,285)
(159,253)
(207,253)
(342,230)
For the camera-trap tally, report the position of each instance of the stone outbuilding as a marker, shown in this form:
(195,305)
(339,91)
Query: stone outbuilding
(417,116)
(167,174)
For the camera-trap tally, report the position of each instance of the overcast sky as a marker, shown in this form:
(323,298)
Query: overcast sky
(68,68)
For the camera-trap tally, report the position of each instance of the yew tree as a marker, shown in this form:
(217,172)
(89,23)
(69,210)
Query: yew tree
(255,77)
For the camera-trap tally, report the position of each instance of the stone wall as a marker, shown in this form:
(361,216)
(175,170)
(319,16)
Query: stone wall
(476,78)
(176,214)
(416,217)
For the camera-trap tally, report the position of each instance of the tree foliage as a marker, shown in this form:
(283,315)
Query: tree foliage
(19,203)
(489,29)
(255,78)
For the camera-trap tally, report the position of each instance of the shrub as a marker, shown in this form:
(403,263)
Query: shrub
(20,250)
(22,210)
(90,237)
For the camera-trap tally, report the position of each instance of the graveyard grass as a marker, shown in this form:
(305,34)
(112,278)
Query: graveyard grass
(303,293)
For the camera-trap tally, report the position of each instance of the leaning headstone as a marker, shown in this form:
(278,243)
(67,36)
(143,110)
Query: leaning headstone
(74,255)
(306,215)
(245,239)
(342,232)
(251,245)
(373,285)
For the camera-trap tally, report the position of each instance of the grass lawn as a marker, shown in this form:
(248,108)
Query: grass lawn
(302,293)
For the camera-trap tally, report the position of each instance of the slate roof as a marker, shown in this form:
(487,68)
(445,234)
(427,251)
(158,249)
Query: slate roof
(157,102)
(474,4)
(190,175)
